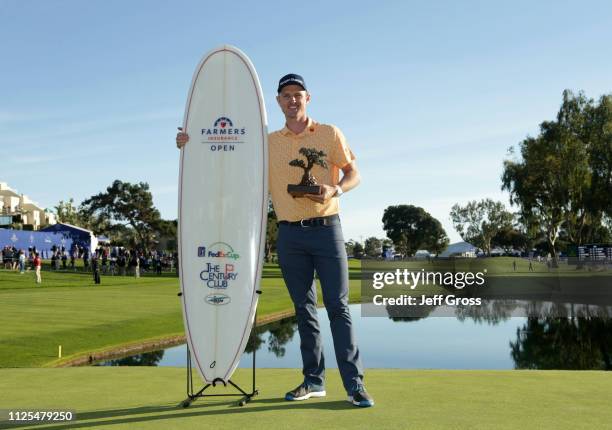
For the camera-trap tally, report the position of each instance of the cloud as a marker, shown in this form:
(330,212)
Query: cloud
(7,117)
(440,143)
(35,159)
(65,126)
(79,152)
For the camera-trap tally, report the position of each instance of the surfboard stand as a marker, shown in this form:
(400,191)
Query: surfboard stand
(191,396)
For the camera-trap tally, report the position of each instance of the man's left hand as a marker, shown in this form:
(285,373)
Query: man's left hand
(327,192)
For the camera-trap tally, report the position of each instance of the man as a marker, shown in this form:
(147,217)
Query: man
(95,267)
(37,266)
(310,239)
(22,261)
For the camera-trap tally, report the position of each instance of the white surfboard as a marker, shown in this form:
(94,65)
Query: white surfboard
(223,195)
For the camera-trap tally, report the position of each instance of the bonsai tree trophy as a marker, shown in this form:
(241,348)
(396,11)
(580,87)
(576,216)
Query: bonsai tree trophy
(308,184)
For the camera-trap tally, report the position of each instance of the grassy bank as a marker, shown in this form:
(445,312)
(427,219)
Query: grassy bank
(68,309)
(426,399)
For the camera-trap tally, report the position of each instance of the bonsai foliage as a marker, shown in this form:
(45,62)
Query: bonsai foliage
(313,157)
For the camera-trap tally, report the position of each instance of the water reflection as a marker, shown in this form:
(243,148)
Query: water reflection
(145,359)
(274,336)
(279,334)
(563,343)
(477,338)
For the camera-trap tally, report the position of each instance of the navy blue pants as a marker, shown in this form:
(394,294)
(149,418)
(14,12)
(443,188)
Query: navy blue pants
(301,252)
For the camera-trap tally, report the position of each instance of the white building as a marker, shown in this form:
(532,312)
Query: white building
(460,249)
(422,254)
(9,199)
(12,203)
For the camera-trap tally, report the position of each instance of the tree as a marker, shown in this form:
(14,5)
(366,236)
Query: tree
(125,206)
(373,247)
(358,250)
(510,238)
(350,247)
(541,193)
(67,212)
(573,135)
(387,244)
(530,227)
(598,137)
(168,229)
(479,221)
(562,181)
(313,157)
(411,228)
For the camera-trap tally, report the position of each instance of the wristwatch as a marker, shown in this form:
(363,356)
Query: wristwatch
(339,191)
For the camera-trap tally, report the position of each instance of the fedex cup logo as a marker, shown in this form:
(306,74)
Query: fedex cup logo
(218,250)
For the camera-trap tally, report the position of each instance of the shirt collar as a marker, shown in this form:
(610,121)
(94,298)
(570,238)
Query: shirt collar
(309,125)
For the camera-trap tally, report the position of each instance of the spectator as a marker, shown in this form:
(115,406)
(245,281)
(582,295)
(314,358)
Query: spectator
(37,266)
(7,257)
(104,262)
(113,264)
(95,267)
(135,264)
(121,262)
(158,265)
(22,262)
(15,261)
(53,259)
(86,258)
(72,258)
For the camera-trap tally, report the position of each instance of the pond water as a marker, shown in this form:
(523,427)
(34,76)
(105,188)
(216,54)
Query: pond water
(495,342)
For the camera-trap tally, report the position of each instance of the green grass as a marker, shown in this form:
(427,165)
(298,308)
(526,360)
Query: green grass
(68,309)
(148,398)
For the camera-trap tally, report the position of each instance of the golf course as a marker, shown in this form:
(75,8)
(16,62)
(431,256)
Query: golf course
(125,313)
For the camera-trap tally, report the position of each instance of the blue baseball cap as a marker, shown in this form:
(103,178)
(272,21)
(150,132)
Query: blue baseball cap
(291,79)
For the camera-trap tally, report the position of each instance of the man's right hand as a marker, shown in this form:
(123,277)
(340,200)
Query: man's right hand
(181,138)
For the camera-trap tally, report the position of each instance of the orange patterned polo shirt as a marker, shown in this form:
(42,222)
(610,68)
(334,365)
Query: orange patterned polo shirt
(284,146)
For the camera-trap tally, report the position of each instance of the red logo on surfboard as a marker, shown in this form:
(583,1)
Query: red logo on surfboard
(223,121)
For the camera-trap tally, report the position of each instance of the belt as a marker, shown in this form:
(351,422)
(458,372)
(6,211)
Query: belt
(313,222)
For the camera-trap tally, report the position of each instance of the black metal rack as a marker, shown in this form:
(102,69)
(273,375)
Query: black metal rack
(191,396)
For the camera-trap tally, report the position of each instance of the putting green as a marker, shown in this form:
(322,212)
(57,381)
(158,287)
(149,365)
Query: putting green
(148,398)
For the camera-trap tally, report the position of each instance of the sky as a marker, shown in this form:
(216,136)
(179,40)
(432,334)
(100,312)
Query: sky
(430,95)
